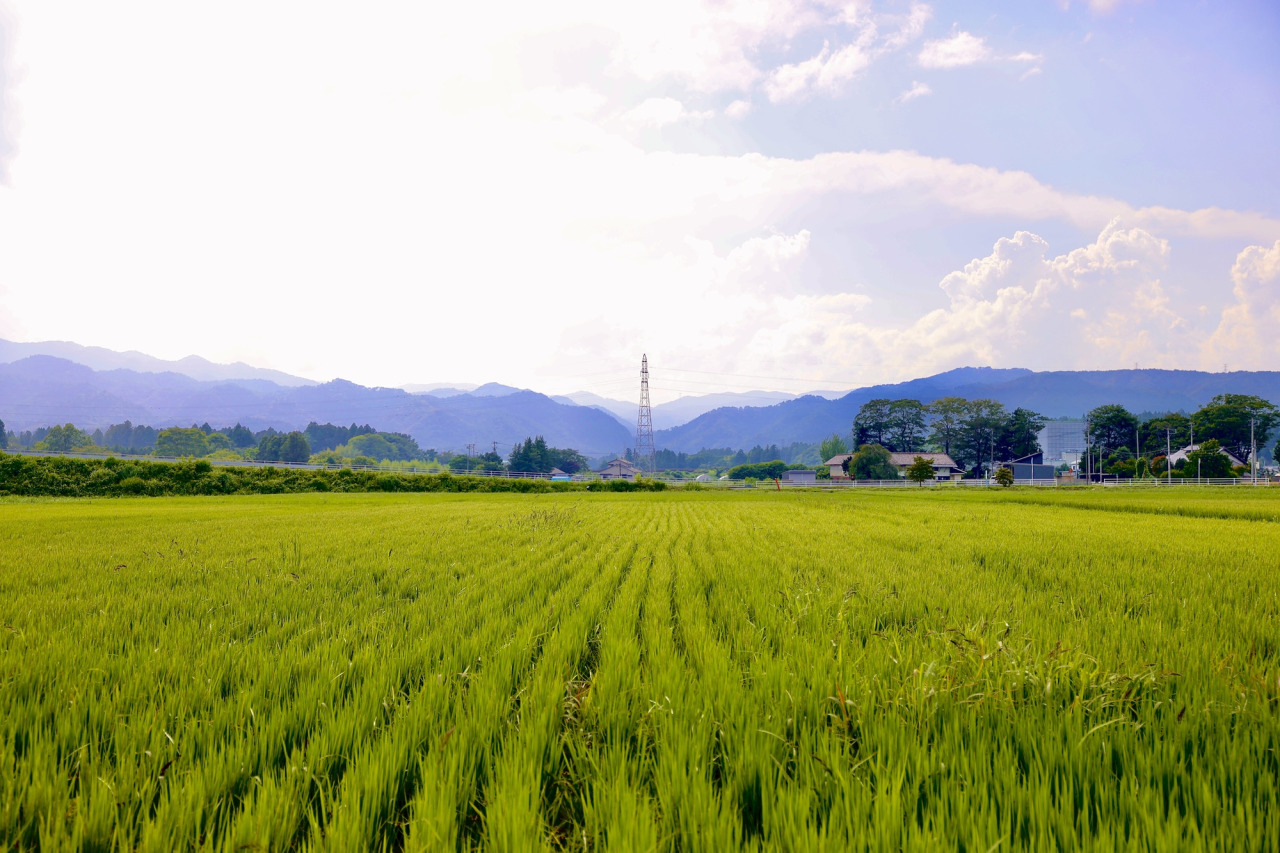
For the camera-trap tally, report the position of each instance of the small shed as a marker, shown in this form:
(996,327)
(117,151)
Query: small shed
(801,477)
(1029,467)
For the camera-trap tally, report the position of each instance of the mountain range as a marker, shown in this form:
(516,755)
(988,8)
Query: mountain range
(60,382)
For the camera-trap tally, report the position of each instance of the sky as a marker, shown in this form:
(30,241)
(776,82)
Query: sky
(794,195)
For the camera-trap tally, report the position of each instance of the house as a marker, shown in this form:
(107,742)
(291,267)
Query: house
(557,474)
(1029,467)
(619,469)
(944,467)
(801,477)
(1179,455)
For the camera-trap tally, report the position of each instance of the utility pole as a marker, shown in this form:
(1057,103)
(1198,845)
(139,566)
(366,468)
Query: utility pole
(1253,454)
(1088,453)
(471,448)
(1168,458)
(644,422)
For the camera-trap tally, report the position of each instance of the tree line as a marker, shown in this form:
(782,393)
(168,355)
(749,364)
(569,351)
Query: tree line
(1128,445)
(971,432)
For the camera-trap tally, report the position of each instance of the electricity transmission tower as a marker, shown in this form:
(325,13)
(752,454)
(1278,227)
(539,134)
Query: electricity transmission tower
(644,424)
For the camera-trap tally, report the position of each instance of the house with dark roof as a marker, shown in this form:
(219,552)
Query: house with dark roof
(618,469)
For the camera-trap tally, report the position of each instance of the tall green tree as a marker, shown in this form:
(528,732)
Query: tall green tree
(179,441)
(531,457)
(871,423)
(4,437)
(947,419)
(1171,431)
(63,438)
(832,447)
(284,447)
(984,420)
(1111,427)
(1019,436)
(906,428)
(1226,418)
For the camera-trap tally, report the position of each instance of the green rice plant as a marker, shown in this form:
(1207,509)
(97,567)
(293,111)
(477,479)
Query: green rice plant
(677,671)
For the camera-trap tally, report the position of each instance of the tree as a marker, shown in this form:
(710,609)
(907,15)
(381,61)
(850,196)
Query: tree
(1019,436)
(949,415)
(906,429)
(871,423)
(177,441)
(61,439)
(1208,461)
(1170,431)
(1004,476)
(871,462)
(984,419)
(284,447)
(240,436)
(920,470)
(4,437)
(832,447)
(1226,418)
(531,457)
(1111,427)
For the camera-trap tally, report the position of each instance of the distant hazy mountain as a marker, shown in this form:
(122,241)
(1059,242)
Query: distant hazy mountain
(440,389)
(42,390)
(1054,394)
(100,358)
(676,412)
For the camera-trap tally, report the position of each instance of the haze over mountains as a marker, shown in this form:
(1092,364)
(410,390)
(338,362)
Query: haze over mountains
(44,384)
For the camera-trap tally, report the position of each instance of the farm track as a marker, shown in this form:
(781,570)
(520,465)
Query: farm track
(676,672)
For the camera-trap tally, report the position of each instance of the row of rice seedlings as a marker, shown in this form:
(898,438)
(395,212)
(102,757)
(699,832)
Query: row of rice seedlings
(924,679)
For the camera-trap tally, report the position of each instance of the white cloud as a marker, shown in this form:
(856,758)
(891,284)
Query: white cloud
(961,49)
(917,90)
(1248,335)
(831,68)
(827,72)
(660,112)
(1094,307)
(739,109)
(562,103)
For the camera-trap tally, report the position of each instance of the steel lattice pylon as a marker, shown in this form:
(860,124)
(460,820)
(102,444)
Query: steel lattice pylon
(644,424)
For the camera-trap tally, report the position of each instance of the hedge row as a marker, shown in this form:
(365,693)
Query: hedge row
(47,476)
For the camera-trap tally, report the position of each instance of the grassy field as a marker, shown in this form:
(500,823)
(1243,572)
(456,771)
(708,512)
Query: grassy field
(887,670)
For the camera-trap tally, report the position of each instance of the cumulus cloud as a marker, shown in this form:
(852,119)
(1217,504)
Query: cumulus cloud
(963,48)
(660,112)
(739,109)
(1093,307)
(1248,335)
(917,90)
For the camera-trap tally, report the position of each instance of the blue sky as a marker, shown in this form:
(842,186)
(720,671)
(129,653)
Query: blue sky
(793,195)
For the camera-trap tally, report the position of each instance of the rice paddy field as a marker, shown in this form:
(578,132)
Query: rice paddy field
(704,671)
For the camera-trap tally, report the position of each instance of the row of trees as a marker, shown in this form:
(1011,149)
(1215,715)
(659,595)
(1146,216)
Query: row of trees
(1122,443)
(969,431)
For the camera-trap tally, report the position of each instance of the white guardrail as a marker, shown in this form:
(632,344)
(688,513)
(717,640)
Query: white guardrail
(676,481)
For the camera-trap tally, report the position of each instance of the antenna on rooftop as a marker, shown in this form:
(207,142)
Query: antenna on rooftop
(644,424)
